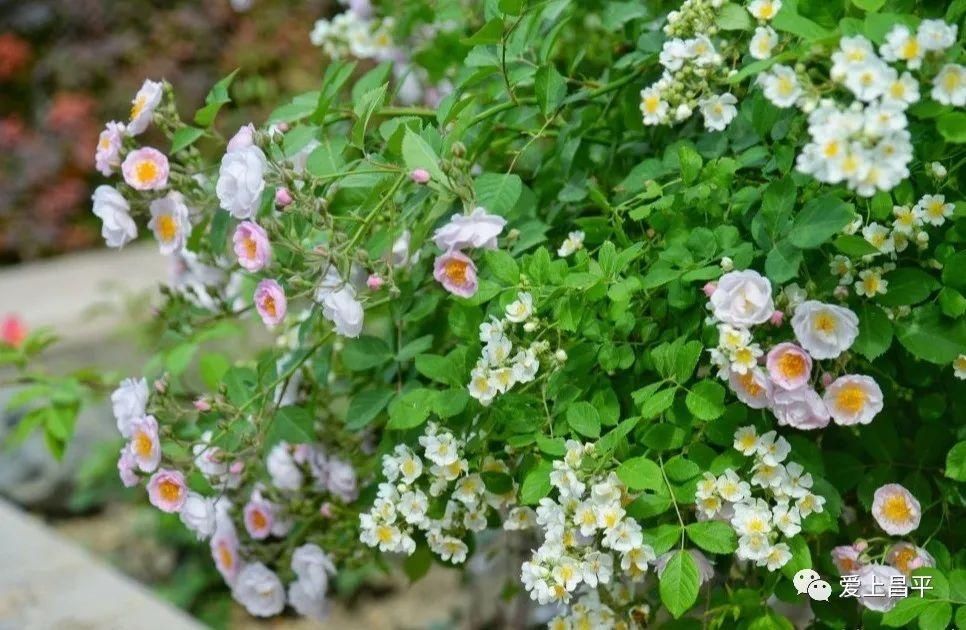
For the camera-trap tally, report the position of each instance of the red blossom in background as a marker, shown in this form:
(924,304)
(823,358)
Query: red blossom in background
(12,331)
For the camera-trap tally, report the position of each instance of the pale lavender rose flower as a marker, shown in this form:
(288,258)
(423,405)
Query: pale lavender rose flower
(270,302)
(742,298)
(107,157)
(474,230)
(800,408)
(874,580)
(252,246)
(259,590)
(167,490)
(341,480)
(853,399)
(145,169)
(244,137)
(789,366)
(456,272)
(126,466)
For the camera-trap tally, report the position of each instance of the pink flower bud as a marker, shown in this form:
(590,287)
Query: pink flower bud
(12,331)
(236,468)
(283,197)
(374,282)
(419,175)
(777,318)
(202,405)
(841,292)
(860,545)
(161,385)
(709,288)
(326,510)
(827,379)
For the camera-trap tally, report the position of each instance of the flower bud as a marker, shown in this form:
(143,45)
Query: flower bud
(419,175)
(283,197)
(374,282)
(727,264)
(777,318)
(560,355)
(202,405)
(709,288)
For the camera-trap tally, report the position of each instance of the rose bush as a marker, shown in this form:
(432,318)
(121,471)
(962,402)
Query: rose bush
(674,296)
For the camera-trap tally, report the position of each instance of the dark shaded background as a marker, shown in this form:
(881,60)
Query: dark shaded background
(69,66)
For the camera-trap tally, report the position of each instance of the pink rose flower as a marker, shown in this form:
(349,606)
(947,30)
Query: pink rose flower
(474,230)
(709,288)
(108,154)
(800,408)
(202,405)
(456,272)
(145,169)
(419,175)
(789,366)
(753,388)
(270,302)
(846,559)
(252,246)
(244,137)
(167,490)
(907,557)
(126,468)
(283,197)
(259,517)
(145,446)
(224,551)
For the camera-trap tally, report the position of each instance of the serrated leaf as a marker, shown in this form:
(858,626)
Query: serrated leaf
(583,418)
(679,583)
(418,154)
(706,400)
(366,405)
(713,536)
(550,87)
(640,473)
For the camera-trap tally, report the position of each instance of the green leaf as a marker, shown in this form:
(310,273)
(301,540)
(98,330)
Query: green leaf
(801,557)
(584,419)
(491,33)
(869,5)
(663,537)
(855,246)
(954,270)
(931,337)
(294,425)
(536,483)
(640,473)
(502,265)
(498,193)
(875,331)
(706,400)
(820,219)
(184,138)
(437,368)
(679,583)
(654,405)
(418,154)
(364,353)
(417,564)
(411,409)
(551,88)
(790,22)
(364,110)
(936,617)
(907,285)
(336,74)
(217,96)
(733,17)
(511,7)
(905,611)
(366,405)
(952,127)
(713,536)
(781,264)
(213,368)
(956,462)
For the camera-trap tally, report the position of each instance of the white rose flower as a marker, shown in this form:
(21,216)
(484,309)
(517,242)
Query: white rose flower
(282,468)
(344,311)
(743,298)
(129,401)
(142,107)
(853,399)
(170,222)
(241,180)
(198,515)
(259,590)
(112,208)
(824,330)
